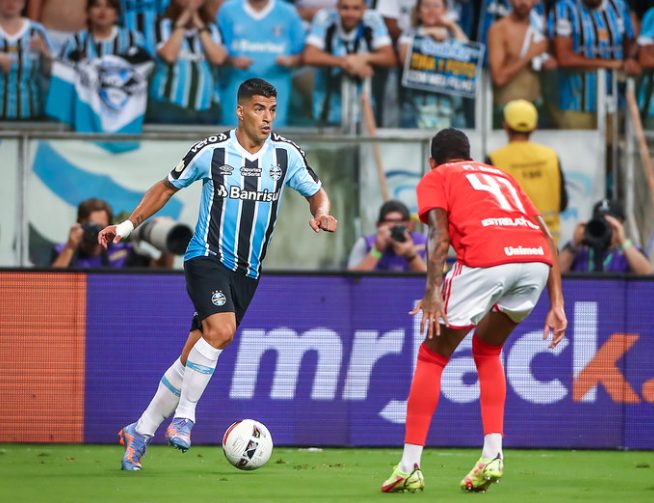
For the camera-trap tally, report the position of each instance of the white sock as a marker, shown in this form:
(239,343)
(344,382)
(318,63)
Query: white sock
(492,446)
(164,401)
(200,365)
(410,457)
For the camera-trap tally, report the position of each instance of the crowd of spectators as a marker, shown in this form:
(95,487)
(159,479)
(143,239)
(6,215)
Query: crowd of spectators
(202,49)
(541,57)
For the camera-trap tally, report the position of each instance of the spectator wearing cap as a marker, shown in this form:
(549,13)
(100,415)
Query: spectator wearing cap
(394,247)
(536,167)
(601,244)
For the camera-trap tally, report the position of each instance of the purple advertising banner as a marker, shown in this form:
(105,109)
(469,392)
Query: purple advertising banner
(328,360)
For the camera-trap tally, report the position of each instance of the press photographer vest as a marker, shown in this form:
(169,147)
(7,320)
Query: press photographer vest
(536,169)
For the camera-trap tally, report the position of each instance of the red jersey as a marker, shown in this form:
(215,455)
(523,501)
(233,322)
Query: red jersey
(491,220)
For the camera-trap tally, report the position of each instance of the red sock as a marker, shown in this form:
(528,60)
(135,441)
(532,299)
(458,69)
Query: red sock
(492,384)
(424,394)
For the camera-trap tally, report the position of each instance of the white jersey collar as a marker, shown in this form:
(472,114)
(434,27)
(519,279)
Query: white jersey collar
(258,15)
(248,155)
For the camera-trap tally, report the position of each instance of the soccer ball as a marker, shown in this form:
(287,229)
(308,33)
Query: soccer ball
(247,444)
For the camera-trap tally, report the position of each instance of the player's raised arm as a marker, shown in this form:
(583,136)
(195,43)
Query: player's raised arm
(555,321)
(151,202)
(320,207)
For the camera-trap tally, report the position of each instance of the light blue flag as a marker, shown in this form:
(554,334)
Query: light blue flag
(103,95)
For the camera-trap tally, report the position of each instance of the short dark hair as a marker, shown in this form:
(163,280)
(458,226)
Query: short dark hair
(450,144)
(256,87)
(393,206)
(88,206)
(114,4)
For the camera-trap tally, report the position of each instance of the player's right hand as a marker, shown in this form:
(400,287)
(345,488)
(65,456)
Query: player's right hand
(108,235)
(432,309)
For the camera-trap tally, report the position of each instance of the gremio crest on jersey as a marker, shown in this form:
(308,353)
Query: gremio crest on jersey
(275,171)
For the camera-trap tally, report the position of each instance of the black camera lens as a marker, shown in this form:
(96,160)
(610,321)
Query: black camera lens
(398,233)
(91,231)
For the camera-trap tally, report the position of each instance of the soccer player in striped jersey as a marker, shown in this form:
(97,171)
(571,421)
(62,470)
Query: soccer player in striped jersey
(24,49)
(189,48)
(103,36)
(244,172)
(142,16)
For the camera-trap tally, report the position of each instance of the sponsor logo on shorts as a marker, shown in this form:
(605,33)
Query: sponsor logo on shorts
(218,298)
(521,250)
(509,222)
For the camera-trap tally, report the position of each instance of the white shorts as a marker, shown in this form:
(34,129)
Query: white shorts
(471,292)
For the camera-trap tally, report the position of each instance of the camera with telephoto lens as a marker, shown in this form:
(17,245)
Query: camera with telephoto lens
(398,233)
(598,233)
(91,231)
(165,235)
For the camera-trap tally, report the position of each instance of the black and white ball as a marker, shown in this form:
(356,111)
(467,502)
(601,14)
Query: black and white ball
(247,444)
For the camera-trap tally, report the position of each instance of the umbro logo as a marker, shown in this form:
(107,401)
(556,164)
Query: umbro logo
(225,169)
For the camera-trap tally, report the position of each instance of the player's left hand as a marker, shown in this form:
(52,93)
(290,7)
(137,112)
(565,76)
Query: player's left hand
(555,324)
(326,223)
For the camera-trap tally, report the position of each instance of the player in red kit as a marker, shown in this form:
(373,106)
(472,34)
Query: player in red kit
(505,257)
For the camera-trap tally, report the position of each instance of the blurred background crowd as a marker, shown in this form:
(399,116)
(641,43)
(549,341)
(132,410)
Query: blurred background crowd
(537,50)
(111,66)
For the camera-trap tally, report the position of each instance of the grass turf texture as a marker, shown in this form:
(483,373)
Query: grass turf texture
(85,473)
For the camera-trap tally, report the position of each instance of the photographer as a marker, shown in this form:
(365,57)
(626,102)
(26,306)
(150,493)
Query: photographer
(83,251)
(394,247)
(601,244)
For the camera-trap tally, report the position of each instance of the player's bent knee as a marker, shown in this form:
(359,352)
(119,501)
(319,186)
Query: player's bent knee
(219,337)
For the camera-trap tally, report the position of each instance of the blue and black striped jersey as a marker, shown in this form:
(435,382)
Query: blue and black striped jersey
(84,44)
(20,90)
(596,33)
(189,81)
(142,16)
(241,195)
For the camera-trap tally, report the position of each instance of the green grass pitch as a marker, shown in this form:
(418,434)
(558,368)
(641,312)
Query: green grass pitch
(91,474)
